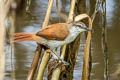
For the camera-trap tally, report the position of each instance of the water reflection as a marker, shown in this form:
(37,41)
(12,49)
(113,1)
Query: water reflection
(113,42)
(113,39)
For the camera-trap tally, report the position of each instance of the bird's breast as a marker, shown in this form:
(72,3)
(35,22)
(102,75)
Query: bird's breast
(56,43)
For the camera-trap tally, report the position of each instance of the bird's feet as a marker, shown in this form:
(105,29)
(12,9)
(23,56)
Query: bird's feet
(58,57)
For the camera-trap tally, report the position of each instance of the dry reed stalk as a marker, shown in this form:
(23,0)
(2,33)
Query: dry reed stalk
(4,9)
(38,51)
(28,5)
(71,13)
(12,30)
(43,65)
(57,71)
(46,56)
(34,64)
(2,48)
(70,19)
(50,4)
(56,74)
(86,50)
(85,72)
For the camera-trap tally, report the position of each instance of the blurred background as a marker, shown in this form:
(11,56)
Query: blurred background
(32,22)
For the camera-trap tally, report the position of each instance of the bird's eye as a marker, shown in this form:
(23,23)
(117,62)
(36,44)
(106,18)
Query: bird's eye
(77,25)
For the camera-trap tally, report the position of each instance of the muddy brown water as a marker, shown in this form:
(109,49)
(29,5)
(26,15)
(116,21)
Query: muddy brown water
(32,23)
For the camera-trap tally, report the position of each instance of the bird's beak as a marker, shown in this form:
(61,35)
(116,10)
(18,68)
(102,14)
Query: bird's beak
(87,29)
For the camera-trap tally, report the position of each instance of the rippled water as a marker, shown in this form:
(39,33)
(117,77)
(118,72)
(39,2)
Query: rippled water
(32,23)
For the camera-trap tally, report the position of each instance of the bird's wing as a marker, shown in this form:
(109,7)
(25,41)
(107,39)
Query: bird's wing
(57,31)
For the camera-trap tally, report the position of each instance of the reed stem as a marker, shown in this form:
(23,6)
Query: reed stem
(46,57)
(57,71)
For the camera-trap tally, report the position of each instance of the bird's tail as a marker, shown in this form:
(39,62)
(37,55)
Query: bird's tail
(19,37)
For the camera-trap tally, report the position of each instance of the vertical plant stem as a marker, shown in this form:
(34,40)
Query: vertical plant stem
(57,71)
(34,64)
(4,9)
(12,17)
(86,59)
(70,19)
(104,40)
(38,51)
(2,50)
(28,5)
(71,13)
(87,53)
(46,56)
(43,65)
(85,72)
(50,4)
(56,74)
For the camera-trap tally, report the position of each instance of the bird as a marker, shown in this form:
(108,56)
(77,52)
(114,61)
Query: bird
(54,36)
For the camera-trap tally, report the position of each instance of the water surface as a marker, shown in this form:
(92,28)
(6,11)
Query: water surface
(28,23)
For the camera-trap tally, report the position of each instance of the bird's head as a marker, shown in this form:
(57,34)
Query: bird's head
(81,27)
